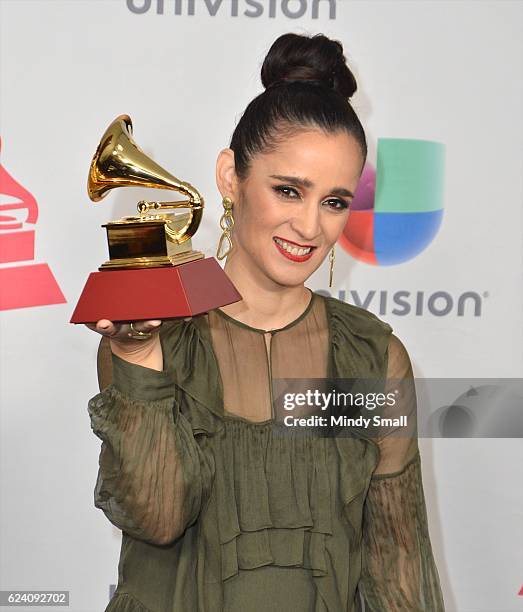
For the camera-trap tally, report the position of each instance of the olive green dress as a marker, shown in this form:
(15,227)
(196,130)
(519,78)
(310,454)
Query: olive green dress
(222,510)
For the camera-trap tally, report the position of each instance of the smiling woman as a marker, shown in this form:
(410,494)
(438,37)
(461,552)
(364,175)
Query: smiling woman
(222,506)
(289,211)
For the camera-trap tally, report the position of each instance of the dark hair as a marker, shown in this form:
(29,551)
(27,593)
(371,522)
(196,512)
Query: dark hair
(307,85)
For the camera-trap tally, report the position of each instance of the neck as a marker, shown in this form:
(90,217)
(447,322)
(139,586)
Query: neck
(265,304)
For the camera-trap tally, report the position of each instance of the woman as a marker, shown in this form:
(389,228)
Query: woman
(218,510)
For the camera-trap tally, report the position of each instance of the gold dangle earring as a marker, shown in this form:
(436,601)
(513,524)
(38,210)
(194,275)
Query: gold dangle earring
(226,223)
(332,256)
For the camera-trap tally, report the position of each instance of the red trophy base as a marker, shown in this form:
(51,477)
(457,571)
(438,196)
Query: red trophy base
(155,293)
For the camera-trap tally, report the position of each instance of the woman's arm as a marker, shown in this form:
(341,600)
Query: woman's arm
(399,572)
(152,474)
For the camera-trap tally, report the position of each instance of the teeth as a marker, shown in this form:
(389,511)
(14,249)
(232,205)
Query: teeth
(293,250)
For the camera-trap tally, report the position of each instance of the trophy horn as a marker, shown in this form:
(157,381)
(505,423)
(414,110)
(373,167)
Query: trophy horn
(119,162)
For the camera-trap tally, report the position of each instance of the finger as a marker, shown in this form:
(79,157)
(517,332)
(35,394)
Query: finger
(105,327)
(101,327)
(152,325)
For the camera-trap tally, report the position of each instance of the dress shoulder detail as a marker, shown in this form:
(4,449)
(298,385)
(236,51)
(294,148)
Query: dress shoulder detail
(359,340)
(189,355)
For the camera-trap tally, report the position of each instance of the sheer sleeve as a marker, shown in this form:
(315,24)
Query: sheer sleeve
(153,476)
(399,573)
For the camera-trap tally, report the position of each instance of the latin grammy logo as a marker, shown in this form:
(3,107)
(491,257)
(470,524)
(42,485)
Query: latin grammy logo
(25,283)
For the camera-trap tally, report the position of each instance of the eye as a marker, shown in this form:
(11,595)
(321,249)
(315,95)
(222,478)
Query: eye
(286,192)
(336,204)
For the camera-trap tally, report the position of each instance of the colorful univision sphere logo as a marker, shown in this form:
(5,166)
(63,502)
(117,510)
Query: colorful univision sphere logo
(398,208)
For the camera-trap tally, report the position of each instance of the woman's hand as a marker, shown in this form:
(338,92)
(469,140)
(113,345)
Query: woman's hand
(127,344)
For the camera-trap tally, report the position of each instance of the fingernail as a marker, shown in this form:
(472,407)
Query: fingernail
(156,323)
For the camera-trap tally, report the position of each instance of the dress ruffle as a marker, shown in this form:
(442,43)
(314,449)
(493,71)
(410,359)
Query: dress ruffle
(359,341)
(186,346)
(276,500)
(359,349)
(273,499)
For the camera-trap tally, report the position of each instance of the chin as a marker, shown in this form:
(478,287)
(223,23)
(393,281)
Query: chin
(288,280)
(282,275)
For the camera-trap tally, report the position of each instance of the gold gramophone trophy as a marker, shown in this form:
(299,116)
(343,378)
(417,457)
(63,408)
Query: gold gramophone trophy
(152,271)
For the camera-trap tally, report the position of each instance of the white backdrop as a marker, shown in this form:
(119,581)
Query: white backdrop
(443,71)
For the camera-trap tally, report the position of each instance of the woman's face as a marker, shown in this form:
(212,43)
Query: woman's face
(294,204)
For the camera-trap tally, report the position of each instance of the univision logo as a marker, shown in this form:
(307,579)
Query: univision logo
(417,303)
(398,207)
(293,9)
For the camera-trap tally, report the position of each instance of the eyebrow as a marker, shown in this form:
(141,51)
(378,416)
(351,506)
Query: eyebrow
(303,182)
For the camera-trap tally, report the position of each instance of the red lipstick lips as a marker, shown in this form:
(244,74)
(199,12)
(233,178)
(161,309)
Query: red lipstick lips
(291,256)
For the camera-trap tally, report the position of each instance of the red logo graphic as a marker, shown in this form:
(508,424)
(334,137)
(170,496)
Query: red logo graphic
(28,284)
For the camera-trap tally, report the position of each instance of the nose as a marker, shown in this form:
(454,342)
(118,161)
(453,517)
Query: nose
(306,223)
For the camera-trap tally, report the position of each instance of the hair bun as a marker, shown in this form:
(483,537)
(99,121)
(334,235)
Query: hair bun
(314,59)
